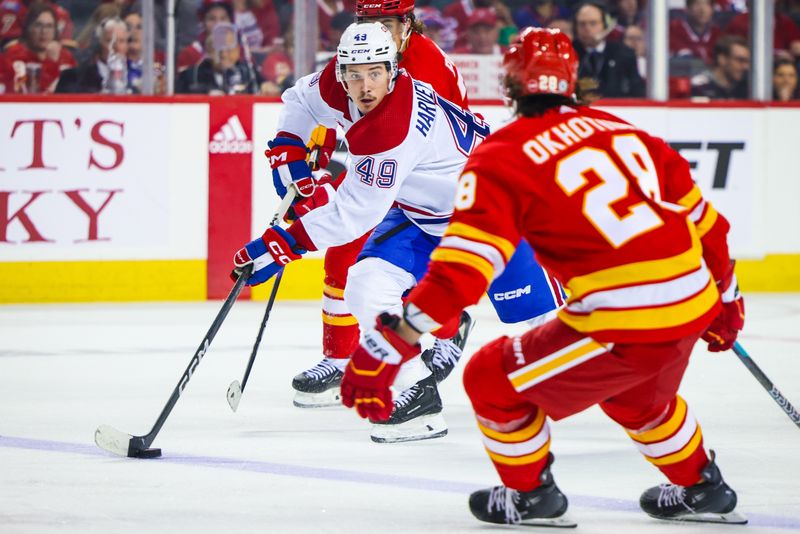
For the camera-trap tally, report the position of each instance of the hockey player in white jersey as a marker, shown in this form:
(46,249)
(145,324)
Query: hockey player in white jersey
(407,147)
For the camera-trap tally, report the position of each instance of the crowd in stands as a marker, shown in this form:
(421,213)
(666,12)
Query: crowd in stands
(245,46)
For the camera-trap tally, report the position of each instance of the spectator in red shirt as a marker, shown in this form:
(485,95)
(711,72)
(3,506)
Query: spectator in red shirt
(482,33)
(785,33)
(12,14)
(258,23)
(6,76)
(696,34)
(211,13)
(39,52)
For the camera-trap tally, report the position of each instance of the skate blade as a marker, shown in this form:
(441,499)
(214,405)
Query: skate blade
(325,399)
(731,518)
(552,522)
(419,428)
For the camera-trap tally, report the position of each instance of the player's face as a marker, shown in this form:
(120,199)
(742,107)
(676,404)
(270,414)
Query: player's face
(367,84)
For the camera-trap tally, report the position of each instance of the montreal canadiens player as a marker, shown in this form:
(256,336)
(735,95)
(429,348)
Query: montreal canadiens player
(407,148)
(525,292)
(614,213)
(424,61)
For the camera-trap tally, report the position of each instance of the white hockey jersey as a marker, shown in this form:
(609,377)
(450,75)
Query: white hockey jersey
(408,152)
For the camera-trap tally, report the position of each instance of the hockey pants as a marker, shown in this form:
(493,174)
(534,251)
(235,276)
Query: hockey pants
(552,371)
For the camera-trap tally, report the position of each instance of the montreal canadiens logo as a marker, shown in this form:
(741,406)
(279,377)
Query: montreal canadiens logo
(230,139)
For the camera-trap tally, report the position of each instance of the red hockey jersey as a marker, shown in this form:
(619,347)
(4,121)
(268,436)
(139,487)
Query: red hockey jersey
(611,211)
(426,62)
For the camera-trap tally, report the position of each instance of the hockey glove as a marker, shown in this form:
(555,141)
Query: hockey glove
(287,157)
(321,147)
(725,327)
(373,368)
(321,196)
(268,254)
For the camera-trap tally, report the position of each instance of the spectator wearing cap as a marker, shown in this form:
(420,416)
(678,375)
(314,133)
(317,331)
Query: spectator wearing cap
(222,71)
(12,15)
(39,54)
(727,79)
(461,10)
(326,10)
(258,23)
(784,80)
(539,13)
(211,13)
(438,27)
(695,34)
(105,71)
(482,33)
(611,63)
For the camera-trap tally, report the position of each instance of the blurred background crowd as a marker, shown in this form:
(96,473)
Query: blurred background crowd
(245,46)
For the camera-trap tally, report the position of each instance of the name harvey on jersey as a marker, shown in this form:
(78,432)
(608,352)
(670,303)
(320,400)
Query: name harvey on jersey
(426,108)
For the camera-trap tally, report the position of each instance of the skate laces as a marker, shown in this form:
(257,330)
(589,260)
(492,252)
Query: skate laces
(445,353)
(406,396)
(671,495)
(321,370)
(504,499)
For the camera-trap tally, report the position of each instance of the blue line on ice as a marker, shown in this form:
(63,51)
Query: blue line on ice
(342,475)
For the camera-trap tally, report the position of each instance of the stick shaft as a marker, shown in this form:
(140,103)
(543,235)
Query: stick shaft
(146,440)
(767,384)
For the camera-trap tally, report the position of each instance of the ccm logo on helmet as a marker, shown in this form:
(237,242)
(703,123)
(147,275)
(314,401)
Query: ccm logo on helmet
(513,294)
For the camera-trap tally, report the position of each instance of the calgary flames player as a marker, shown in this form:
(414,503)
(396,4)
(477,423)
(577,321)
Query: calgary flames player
(612,211)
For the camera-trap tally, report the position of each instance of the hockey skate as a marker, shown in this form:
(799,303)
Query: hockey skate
(319,386)
(709,501)
(417,415)
(544,506)
(444,356)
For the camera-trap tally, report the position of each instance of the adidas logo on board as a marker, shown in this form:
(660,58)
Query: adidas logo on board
(230,139)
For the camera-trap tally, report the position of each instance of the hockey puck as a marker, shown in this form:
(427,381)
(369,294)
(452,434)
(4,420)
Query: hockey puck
(146,453)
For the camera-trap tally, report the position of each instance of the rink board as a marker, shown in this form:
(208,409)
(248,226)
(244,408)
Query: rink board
(147,198)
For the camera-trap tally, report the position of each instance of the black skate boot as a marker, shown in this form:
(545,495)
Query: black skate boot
(544,506)
(318,386)
(709,501)
(443,357)
(417,415)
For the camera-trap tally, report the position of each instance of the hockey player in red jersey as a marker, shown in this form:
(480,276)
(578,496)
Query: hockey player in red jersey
(614,214)
(424,61)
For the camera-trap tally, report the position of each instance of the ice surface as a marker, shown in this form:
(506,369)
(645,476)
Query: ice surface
(270,467)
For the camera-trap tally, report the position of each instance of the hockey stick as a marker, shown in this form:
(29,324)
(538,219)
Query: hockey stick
(122,444)
(235,390)
(782,401)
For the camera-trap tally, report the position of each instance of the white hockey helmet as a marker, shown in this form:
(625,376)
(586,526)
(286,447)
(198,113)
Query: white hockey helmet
(363,43)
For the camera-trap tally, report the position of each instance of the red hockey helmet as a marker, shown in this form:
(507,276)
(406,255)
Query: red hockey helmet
(540,61)
(384,8)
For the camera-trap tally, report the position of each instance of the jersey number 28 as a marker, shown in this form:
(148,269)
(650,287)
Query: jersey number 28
(618,229)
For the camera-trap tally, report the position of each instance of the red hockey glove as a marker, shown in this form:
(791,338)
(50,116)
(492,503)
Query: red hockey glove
(321,147)
(323,194)
(373,368)
(723,330)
